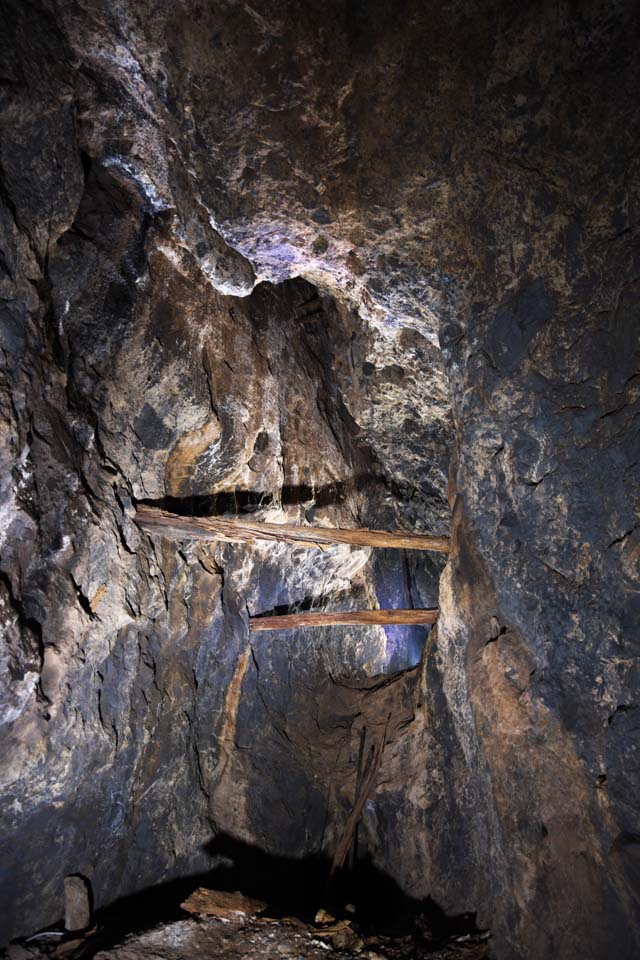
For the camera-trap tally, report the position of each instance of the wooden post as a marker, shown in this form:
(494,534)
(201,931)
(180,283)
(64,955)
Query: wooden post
(342,617)
(366,787)
(241,530)
(353,853)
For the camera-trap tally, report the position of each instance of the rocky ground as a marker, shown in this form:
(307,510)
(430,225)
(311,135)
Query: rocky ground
(230,926)
(274,939)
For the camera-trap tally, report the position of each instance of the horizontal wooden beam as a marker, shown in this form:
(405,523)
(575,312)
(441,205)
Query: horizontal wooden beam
(335,618)
(241,530)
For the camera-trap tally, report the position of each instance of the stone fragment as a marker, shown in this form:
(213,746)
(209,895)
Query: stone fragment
(219,903)
(342,937)
(323,916)
(77,906)
(69,947)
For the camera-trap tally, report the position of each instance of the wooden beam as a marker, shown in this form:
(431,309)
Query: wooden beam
(241,530)
(334,618)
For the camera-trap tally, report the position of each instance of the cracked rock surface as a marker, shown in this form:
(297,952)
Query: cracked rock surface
(365,264)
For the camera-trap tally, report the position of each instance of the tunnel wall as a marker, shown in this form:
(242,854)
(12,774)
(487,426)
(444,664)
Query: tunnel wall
(461,179)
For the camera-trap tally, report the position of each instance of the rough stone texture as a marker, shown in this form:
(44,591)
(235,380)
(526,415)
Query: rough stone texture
(460,183)
(268,939)
(77,907)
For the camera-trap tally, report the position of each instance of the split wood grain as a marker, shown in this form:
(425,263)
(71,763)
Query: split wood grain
(244,530)
(326,618)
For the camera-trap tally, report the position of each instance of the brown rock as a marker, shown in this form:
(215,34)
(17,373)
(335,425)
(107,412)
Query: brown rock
(77,903)
(219,903)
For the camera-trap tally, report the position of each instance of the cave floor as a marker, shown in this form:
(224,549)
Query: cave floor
(268,939)
(262,938)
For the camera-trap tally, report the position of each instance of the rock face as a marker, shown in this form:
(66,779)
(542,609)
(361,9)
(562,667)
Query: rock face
(308,260)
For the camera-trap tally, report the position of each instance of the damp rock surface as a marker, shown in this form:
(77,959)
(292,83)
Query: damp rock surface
(361,263)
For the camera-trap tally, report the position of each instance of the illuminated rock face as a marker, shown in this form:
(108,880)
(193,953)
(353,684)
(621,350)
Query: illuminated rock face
(323,256)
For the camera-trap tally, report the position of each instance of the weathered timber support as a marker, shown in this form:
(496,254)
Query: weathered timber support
(343,618)
(364,792)
(241,530)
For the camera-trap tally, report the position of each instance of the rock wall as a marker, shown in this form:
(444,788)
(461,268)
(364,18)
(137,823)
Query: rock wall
(302,256)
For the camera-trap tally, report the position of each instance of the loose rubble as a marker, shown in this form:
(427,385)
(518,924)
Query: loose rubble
(231,926)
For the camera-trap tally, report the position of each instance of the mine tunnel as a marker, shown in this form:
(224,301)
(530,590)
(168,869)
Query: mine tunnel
(319,473)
